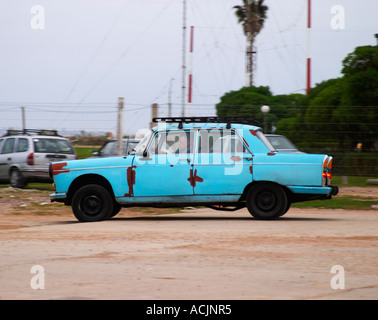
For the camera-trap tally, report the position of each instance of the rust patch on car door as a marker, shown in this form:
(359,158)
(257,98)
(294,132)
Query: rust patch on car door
(194,178)
(130,181)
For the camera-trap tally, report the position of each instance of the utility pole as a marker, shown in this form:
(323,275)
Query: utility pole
(120,127)
(23,119)
(154,114)
(183,58)
(170,98)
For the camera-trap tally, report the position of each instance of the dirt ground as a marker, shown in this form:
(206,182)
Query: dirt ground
(195,254)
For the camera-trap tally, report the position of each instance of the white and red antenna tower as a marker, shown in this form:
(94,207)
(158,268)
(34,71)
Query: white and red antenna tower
(308,66)
(183,58)
(190,72)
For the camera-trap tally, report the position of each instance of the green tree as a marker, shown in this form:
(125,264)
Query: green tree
(358,109)
(245,102)
(343,109)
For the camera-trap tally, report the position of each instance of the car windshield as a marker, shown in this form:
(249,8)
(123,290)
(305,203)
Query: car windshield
(46,145)
(132,145)
(142,145)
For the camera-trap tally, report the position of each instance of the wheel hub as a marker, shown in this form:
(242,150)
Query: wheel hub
(266,200)
(91,204)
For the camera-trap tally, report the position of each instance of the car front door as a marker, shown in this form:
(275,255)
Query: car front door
(166,168)
(223,164)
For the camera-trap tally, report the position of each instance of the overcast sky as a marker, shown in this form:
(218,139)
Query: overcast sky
(69,68)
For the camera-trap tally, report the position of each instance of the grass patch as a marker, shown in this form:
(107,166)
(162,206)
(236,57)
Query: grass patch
(84,152)
(347,203)
(353,181)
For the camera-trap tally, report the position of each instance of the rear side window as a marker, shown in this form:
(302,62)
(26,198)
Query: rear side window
(45,145)
(22,145)
(8,145)
(220,141)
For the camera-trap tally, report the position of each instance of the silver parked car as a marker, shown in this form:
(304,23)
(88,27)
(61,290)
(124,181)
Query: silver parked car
(282,144)
(25,155)
(109,148)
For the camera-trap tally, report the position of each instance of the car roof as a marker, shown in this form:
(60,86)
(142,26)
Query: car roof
(34,136)
(205,123)
(196,125)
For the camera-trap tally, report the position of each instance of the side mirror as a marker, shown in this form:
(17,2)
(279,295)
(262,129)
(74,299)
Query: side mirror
(145,153)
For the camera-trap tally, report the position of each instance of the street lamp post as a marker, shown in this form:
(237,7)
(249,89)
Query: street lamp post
(265,110)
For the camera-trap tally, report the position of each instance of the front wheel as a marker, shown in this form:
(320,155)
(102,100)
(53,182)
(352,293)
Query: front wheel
(92,203)
(267,201)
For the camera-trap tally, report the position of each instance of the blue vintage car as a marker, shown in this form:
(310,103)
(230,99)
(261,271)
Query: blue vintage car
(220,163)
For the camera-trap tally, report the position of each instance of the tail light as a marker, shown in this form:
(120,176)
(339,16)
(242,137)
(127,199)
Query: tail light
(329,168)
(325,168)
(30,159)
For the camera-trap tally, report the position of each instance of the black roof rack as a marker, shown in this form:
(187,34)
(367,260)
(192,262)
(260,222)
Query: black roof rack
(228,120)
(42,132)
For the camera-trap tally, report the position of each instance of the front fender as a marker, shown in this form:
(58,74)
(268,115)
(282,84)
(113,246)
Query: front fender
(113,170)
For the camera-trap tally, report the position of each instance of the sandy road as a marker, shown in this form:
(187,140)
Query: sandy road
(198,254)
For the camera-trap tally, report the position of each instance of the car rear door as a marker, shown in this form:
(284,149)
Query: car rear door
(223,164)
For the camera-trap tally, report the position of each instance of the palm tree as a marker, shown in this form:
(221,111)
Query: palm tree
(252,16)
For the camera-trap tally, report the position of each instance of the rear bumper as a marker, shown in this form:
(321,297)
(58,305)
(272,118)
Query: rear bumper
(335,190)
(329,190)
(299,193)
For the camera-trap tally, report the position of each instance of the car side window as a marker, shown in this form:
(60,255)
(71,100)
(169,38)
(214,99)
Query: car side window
(220,141)
(172,142)
(22,145)
(1,142)
(8,146)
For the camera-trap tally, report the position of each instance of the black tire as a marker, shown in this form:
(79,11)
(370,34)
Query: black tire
(287,207)
(267,201)
(92,203)
(16,179)
(116,209)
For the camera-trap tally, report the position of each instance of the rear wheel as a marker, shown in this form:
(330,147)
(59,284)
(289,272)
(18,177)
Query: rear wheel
(17,180)
(267,201)
(92,203)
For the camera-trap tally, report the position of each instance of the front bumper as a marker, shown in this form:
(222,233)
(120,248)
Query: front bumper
(58,197)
